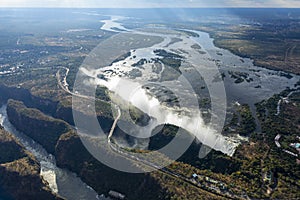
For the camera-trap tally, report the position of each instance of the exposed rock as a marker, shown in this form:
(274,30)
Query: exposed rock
(214,161)
(71,154)
(42,128)
(19,171)
(46,105)
(10,149)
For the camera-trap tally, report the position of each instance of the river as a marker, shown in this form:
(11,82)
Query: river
(61,181)
(263,84)
(270,82)
(112,24)
(4,195)
(257,83)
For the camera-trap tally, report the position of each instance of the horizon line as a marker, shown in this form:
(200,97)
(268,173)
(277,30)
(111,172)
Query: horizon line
(226,7)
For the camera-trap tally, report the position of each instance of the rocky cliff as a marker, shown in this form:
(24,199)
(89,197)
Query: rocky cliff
(19,166)
(60,109)
(42,128)
(10,149)
(214,161)
(48,106)
(157,185)
(71,154)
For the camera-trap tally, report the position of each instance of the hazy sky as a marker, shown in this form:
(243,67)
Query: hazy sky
(149,3)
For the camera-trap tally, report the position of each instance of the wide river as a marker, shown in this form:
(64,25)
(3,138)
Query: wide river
(244,82)
(264,83)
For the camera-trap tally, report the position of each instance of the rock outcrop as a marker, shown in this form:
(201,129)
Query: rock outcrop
(19,171)
(48,106)
(71,154)
(52,107)
(42,128)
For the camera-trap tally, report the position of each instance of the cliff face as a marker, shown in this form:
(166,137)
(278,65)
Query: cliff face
(71,154)
(19,171)
(24,172)
(64,113)
(24,95)
(215,161)
(40,127)
(49,106)
(10,150)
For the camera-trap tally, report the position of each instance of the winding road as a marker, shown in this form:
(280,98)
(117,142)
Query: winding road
(62,82)
(115,148)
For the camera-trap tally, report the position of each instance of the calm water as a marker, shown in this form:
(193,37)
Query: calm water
(271,82)
(4,196)
(259,84)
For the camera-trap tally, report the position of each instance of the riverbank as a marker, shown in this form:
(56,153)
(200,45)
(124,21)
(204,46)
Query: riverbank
(61,181)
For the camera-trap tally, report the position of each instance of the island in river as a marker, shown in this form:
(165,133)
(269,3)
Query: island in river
(39,64)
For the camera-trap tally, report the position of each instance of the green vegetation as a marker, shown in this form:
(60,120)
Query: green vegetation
(122,57)
(169,59)
(267,46)
(102,93)
(258,168)
(40,127)
(25,172)
(138,117)
(10,149)
(19,166)
(253,158)
(70,153)
(247,122)
(283,166)
(240,77)
(189,33)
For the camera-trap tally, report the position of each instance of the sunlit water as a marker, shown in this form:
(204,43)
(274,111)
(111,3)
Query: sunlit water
(271,82)
(117,81)
(112,24)
(263,84)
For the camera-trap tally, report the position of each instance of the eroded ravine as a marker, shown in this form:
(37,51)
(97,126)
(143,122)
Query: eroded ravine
(61,181)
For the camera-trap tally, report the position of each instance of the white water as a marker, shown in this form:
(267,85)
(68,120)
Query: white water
(247,92)
(61,181)
(112,24)
(188,116)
